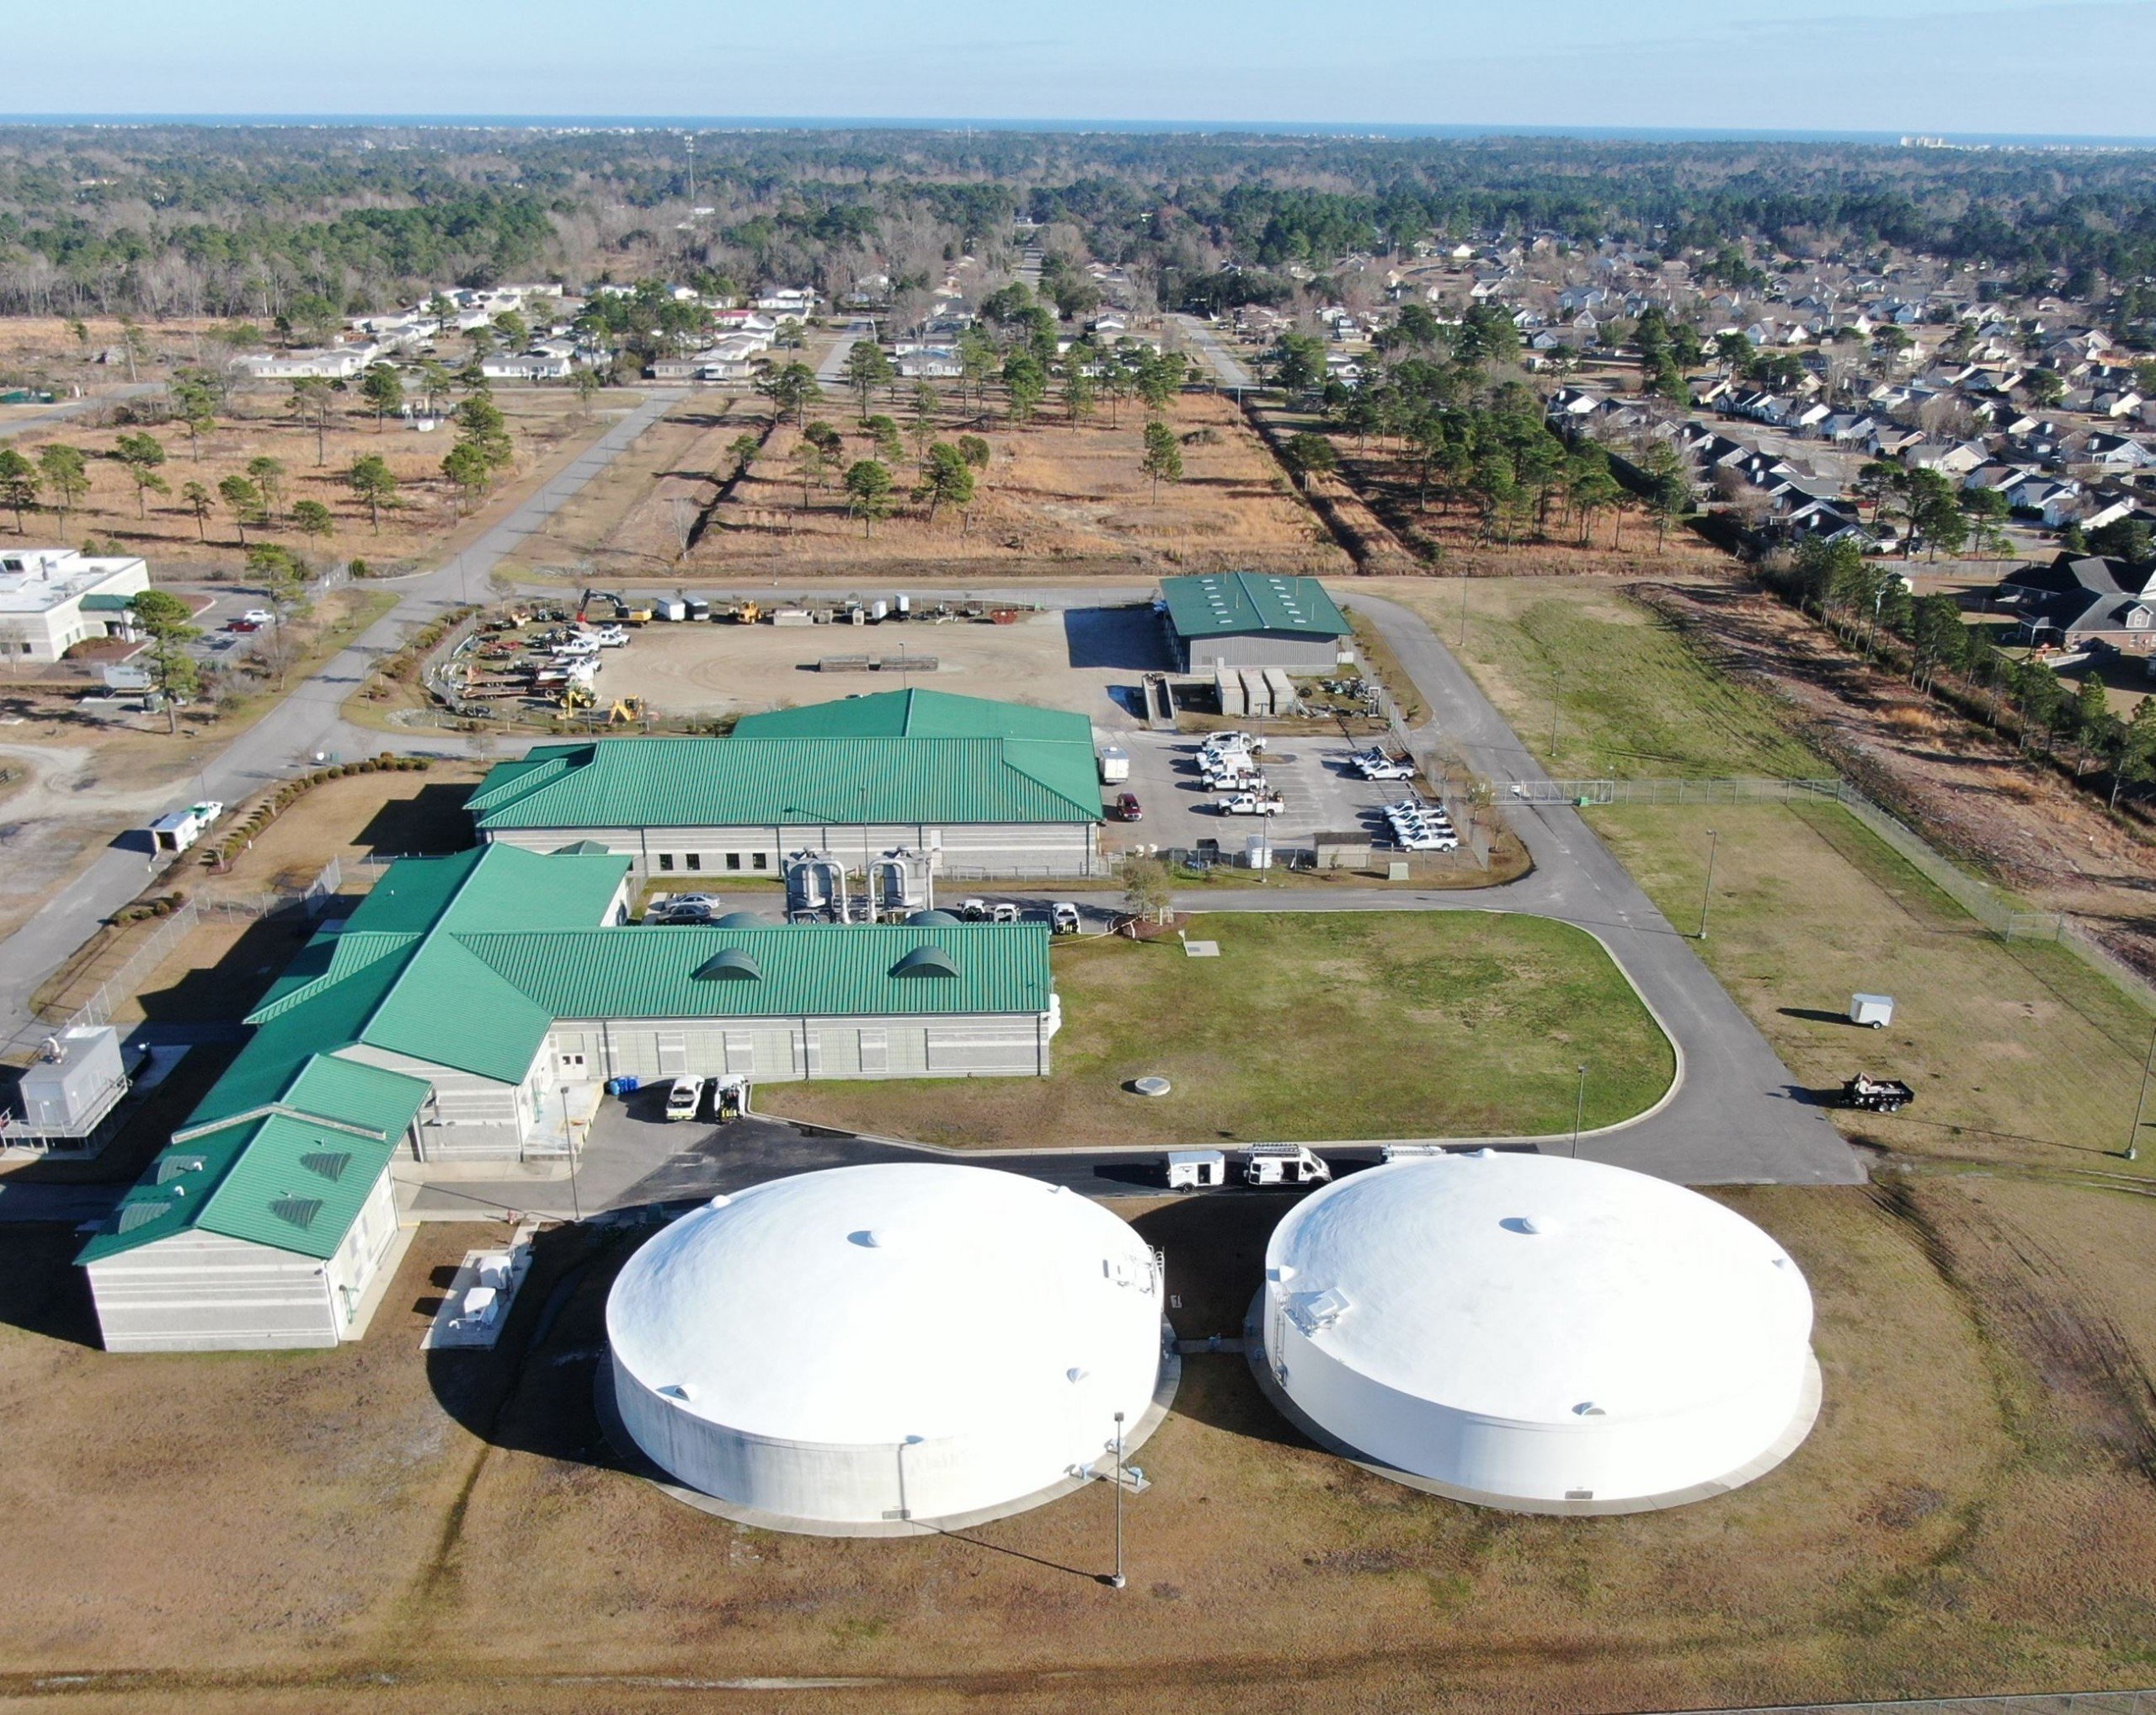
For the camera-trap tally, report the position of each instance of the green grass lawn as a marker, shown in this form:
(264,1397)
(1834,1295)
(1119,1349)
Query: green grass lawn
(2018,1051)
(1630,699)
(1318,1025)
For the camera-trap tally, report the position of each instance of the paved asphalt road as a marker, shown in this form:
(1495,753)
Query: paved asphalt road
(65,408)
(307,721)
(1228,369)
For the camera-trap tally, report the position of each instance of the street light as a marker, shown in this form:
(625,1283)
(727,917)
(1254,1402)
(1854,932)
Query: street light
(568,1131)
(1579,1109)
(1714,838)
(1116,1579)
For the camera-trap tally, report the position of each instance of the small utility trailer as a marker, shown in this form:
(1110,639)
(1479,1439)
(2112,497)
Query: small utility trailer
(1877,1095)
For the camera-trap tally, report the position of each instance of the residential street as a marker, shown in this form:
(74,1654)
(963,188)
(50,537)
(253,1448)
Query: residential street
(1228,369)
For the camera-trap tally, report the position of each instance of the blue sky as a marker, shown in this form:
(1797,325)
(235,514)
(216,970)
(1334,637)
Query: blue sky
(2025,67)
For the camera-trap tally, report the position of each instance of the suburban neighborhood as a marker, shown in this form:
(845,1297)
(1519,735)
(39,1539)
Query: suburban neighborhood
(911,915)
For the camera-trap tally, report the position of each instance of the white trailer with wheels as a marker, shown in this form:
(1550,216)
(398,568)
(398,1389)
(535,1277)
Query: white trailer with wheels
(1196,1169)
(1282,1164)
(1876,1010)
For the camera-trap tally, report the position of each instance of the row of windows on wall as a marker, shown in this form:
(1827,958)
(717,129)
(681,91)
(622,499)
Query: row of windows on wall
(694,860)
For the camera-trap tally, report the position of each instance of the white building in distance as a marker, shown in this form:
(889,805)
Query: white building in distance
(53,598)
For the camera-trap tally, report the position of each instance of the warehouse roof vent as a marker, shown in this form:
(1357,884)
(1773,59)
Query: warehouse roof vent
(735,964)
(926,959)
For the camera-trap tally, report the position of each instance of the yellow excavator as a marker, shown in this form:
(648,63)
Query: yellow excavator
(626,712)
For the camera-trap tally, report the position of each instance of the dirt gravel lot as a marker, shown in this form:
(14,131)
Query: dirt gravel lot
(1076,660)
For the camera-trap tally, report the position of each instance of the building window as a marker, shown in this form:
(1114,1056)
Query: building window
(665,860)
(695,860)
(762,861)
(733,860)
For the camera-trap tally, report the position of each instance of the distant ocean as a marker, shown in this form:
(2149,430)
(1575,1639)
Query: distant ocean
(575,122)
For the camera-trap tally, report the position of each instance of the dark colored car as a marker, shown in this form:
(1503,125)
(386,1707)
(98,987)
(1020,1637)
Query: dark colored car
(1127,808)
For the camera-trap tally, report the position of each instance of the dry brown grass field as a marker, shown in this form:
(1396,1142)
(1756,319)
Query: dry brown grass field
(545,423)
(1055,495)
(375,1527)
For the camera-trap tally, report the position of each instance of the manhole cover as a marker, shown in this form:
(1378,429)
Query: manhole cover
(1149,1086)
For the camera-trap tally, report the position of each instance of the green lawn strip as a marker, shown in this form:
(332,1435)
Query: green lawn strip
(2018,1051)
(1316,1025)
(1630,697)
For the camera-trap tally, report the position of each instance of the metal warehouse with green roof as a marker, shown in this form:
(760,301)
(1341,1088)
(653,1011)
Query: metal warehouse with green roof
(1253,619)
(983,788)
(450,1018)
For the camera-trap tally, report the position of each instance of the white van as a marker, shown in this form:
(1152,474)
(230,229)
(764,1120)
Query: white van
(1282,1164)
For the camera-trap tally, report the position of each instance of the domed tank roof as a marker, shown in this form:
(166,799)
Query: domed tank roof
(1528,1331)
(872,1304)
(1524,1287)
(743,920)
(928,920)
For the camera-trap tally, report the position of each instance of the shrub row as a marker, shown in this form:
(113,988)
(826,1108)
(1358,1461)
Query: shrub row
(402,668)
(163,906)
(276,802)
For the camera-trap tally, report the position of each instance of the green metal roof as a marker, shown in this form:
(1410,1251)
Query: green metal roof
(1222,604)
(918,715)
(293,1175)
(105,601)
(467,961)
(815,969)
(398,978)
(791,782)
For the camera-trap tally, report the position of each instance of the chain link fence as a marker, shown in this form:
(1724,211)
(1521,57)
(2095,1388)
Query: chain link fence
(1999,912)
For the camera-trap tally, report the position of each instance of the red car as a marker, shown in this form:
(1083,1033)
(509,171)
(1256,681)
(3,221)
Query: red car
(1127,808)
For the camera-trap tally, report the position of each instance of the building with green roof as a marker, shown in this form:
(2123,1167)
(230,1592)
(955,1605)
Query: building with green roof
(1253,619)
(436,1025)
(985,787)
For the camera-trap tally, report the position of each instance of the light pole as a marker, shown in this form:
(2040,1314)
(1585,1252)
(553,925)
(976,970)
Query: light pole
(1463,612)
(1115,1578)
(1579,1110)
(2133,1137)
(1714,838)
(1556,695)
(568,1131)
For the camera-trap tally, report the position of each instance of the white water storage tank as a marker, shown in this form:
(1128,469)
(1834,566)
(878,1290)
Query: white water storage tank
(876,1344)
(1538,1333)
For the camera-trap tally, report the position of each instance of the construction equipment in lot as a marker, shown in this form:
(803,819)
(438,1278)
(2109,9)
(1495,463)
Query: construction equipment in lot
(625,711)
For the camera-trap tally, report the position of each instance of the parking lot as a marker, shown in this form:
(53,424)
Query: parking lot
(1310,771)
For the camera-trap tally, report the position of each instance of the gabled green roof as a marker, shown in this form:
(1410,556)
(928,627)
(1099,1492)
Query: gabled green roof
(1224,603)
(397,977)
(642,782)
(918,715)
(292,1176)
(805,969)
(105,601)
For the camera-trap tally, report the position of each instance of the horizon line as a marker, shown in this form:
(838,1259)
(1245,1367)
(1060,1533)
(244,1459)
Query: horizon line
(1389,130)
